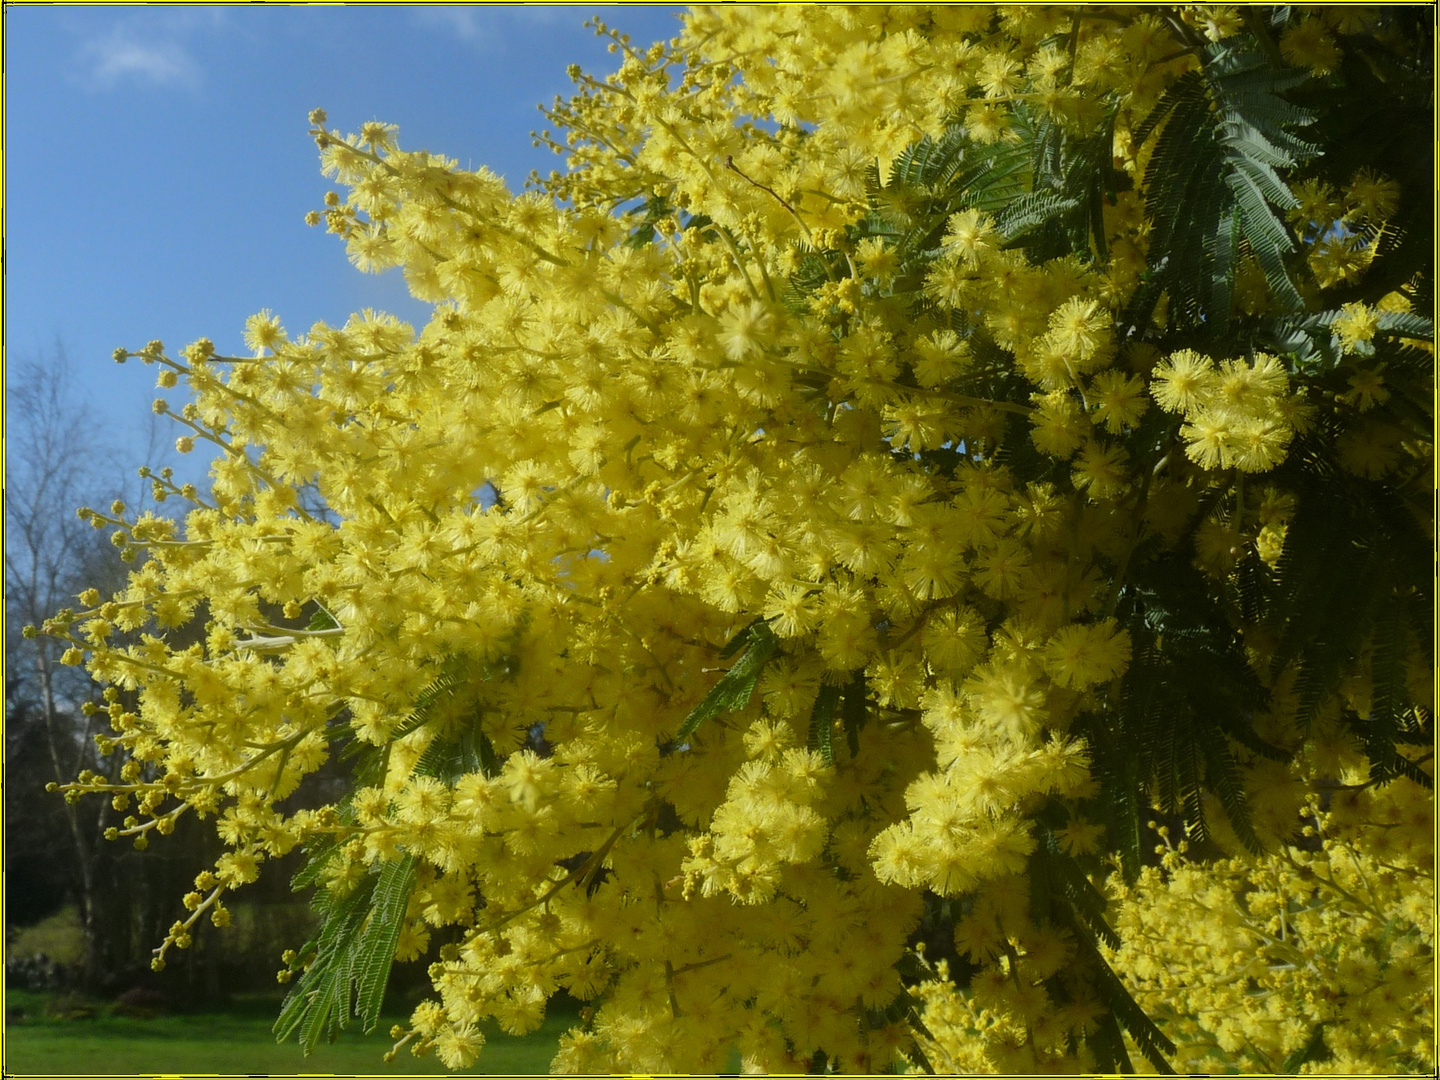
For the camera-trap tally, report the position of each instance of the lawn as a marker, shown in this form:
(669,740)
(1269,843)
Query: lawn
(235,1042)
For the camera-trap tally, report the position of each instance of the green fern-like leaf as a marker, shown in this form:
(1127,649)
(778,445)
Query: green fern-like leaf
(1066,878)
(1033,210)
(854,708)
(822,722)
(1086,924)
(1108,1044)
(352,954)
(733,690)
(1314,1049)
(1118,775)
(319,1004)
(1212,180)
(1322,619)
(439,692)
(931,162)
(376,949)
(1188,688)
(317,856)
(1153,1042)
(1222,777)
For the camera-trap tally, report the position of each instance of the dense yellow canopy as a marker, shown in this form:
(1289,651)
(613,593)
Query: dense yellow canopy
(504,552)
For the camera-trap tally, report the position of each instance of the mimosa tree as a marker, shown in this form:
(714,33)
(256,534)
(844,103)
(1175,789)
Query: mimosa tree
(907,457)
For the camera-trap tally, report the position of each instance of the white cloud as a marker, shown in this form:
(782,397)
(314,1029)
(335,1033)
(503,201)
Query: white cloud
(124,55)
(463,22)
(146,45)
(544,14)
(483,25)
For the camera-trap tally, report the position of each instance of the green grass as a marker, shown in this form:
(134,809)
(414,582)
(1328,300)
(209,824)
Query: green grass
(234,1042)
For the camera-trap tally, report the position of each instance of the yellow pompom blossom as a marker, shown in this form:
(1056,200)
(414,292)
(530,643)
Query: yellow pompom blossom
(1356,324)
(1237,415)
(1318,959)
(1308,43)
(1244,962)
(800,405)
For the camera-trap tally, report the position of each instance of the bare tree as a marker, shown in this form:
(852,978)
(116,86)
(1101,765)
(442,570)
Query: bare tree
(47,549)
(53,466)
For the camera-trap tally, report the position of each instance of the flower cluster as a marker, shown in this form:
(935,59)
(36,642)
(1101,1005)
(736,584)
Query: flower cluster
(506,559)
(1320,955)
(1239,416)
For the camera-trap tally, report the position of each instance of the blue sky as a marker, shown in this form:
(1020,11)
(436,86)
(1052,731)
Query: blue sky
(157,168)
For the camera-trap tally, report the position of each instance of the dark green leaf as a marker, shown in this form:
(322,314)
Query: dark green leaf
(353,951)
(1108,1043)
(1152,1041)
(822,722)
(1224,131)
(1085,901)
(1313,1050)
(317,855)
(741,639)
(1223,778)
(376,950)
(733,690)
(310,1008)
(853,711)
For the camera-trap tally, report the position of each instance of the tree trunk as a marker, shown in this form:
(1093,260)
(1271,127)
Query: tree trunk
(93,969)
